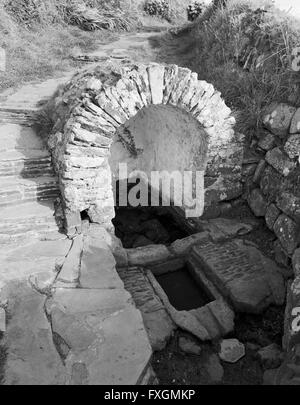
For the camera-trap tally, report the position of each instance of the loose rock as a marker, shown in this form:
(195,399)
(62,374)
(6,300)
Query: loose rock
(278,118)
(231,350)
(270,356)
(189,346)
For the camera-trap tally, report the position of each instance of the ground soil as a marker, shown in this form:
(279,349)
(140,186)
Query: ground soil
(173,367)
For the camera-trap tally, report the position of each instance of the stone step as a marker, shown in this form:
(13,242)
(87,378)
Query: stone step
(19,137)
(26,168)
(17,190)
(15,116)
(27,220)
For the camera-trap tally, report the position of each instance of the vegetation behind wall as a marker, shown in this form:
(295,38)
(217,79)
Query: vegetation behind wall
(245,50)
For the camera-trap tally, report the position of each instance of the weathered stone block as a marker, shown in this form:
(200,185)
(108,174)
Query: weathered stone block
(270,356)
(259,171)
(270,183)
(71,267)
(289,204)
(281,255)
(295,124)
(272,214)
(231,350)
(292,146)
(242,273)
(146,255)
(267,141)
(257,202)
(156,81)
(183,246)
(287,232)
(296,262)
(278,118)
(280,161)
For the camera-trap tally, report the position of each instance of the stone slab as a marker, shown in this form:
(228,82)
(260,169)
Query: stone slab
(115,349)
(242,274)
(32,358)
(35,257)
(98,266)
(158,324)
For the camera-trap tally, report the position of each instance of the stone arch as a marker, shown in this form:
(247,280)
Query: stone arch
(89,109)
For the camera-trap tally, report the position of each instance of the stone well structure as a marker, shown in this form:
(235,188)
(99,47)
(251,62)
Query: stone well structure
(96,118)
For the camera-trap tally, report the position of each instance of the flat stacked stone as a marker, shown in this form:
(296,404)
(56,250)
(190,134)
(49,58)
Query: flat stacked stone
(88,110)
(241,273)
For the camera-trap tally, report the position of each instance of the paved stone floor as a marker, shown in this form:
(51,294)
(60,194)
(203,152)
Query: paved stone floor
(56,334)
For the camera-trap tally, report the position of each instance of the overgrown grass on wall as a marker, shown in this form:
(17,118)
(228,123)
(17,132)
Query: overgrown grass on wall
(245,50)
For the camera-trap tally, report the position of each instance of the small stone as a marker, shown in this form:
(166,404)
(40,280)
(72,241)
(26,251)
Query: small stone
(270,356)
(2,320)
(188,346)
(289,203)
(267,141)
(214,368)
(280,161)
(271,215)
(292,146)
(257,203)
(231,350)
(278,117)
(295,124)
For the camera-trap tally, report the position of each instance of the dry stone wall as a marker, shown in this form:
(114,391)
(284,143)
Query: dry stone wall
(89,109)
(273,189)
(273,192)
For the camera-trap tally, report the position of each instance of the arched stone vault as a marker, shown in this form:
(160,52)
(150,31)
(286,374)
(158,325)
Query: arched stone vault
(89,109)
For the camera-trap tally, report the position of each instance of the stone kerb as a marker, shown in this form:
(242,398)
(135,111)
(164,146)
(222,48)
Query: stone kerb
(88,110)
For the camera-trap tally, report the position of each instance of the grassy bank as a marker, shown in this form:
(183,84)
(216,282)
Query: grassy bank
(41,37)
(245,50)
